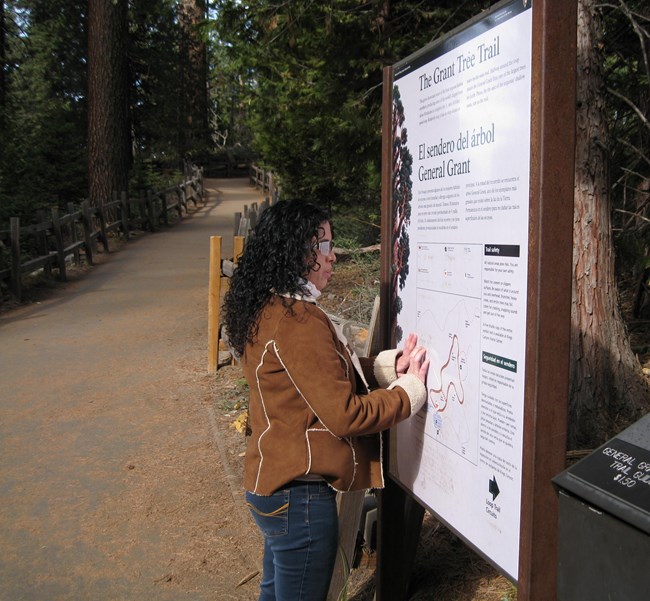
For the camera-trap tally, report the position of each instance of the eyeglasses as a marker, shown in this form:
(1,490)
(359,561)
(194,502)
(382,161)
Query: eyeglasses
(325,247)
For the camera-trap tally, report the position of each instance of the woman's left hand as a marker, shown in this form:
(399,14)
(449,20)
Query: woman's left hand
(410,349)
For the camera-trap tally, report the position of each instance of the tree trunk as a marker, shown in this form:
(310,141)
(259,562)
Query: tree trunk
(3,63)
(109,138)
(607,388)
(194,86)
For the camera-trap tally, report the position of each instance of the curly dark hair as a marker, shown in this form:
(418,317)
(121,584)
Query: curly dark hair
(276,258)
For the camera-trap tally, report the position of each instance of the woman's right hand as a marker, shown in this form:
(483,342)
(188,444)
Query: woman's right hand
(419,365)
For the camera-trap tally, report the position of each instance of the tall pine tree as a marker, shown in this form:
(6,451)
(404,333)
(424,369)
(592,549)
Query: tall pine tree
(109,140)
(607,388)
(194,123)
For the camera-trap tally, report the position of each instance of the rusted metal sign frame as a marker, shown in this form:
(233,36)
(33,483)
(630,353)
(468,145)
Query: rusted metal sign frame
(552,139)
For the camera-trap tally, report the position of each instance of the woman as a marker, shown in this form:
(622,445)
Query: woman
(316,410)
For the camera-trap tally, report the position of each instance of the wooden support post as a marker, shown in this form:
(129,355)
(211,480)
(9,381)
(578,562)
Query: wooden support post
(350,505)
(399,516)
(87,225)
(214,294)
(399,522)
(16,279)
(58,236)
(214,303)
(548,336)
(238,247)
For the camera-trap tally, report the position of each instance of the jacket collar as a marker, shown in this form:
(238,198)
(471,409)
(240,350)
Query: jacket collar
(310,292)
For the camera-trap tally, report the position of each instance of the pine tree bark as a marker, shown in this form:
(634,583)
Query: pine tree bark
(109,138)
(3,61)
(194,134)
(607,388)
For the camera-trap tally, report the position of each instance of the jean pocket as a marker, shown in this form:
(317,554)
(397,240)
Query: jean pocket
(271,514)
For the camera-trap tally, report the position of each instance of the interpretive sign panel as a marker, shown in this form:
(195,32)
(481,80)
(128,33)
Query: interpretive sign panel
(461,168)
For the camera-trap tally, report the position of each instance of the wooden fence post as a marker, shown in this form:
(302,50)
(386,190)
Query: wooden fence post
(243,227)
(163,207)
(58,236)
(199,183)
(271,187)
(350,506)
(181,202)
(101,212)
(238,247)
(87,225)
(124,214)
(41,242)
(142,217)
(73,233)
(184,197)
(214,303)
(16,281)
(150,216)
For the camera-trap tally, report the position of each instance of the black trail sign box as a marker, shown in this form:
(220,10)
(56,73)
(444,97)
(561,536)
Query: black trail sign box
(604,521)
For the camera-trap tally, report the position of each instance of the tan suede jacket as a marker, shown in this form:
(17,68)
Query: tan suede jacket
(312,411)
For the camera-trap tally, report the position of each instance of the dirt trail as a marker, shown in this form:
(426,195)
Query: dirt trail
(116,480)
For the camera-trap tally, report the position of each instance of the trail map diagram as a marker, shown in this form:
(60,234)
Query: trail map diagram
(448,301)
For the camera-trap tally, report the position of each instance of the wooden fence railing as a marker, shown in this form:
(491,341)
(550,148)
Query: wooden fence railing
(53,241)
(266,181)
(245,221)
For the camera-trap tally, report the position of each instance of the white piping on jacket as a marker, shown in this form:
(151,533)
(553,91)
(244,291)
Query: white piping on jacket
(266,415)
(346,439)
(357,366)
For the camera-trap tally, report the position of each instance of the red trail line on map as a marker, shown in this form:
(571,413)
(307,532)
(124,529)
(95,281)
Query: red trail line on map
(445,395)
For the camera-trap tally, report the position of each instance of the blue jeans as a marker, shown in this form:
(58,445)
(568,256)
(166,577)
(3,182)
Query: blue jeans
(300,527)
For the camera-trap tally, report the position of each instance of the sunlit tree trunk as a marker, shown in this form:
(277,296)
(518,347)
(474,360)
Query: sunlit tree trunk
(607,387)
(109,145)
